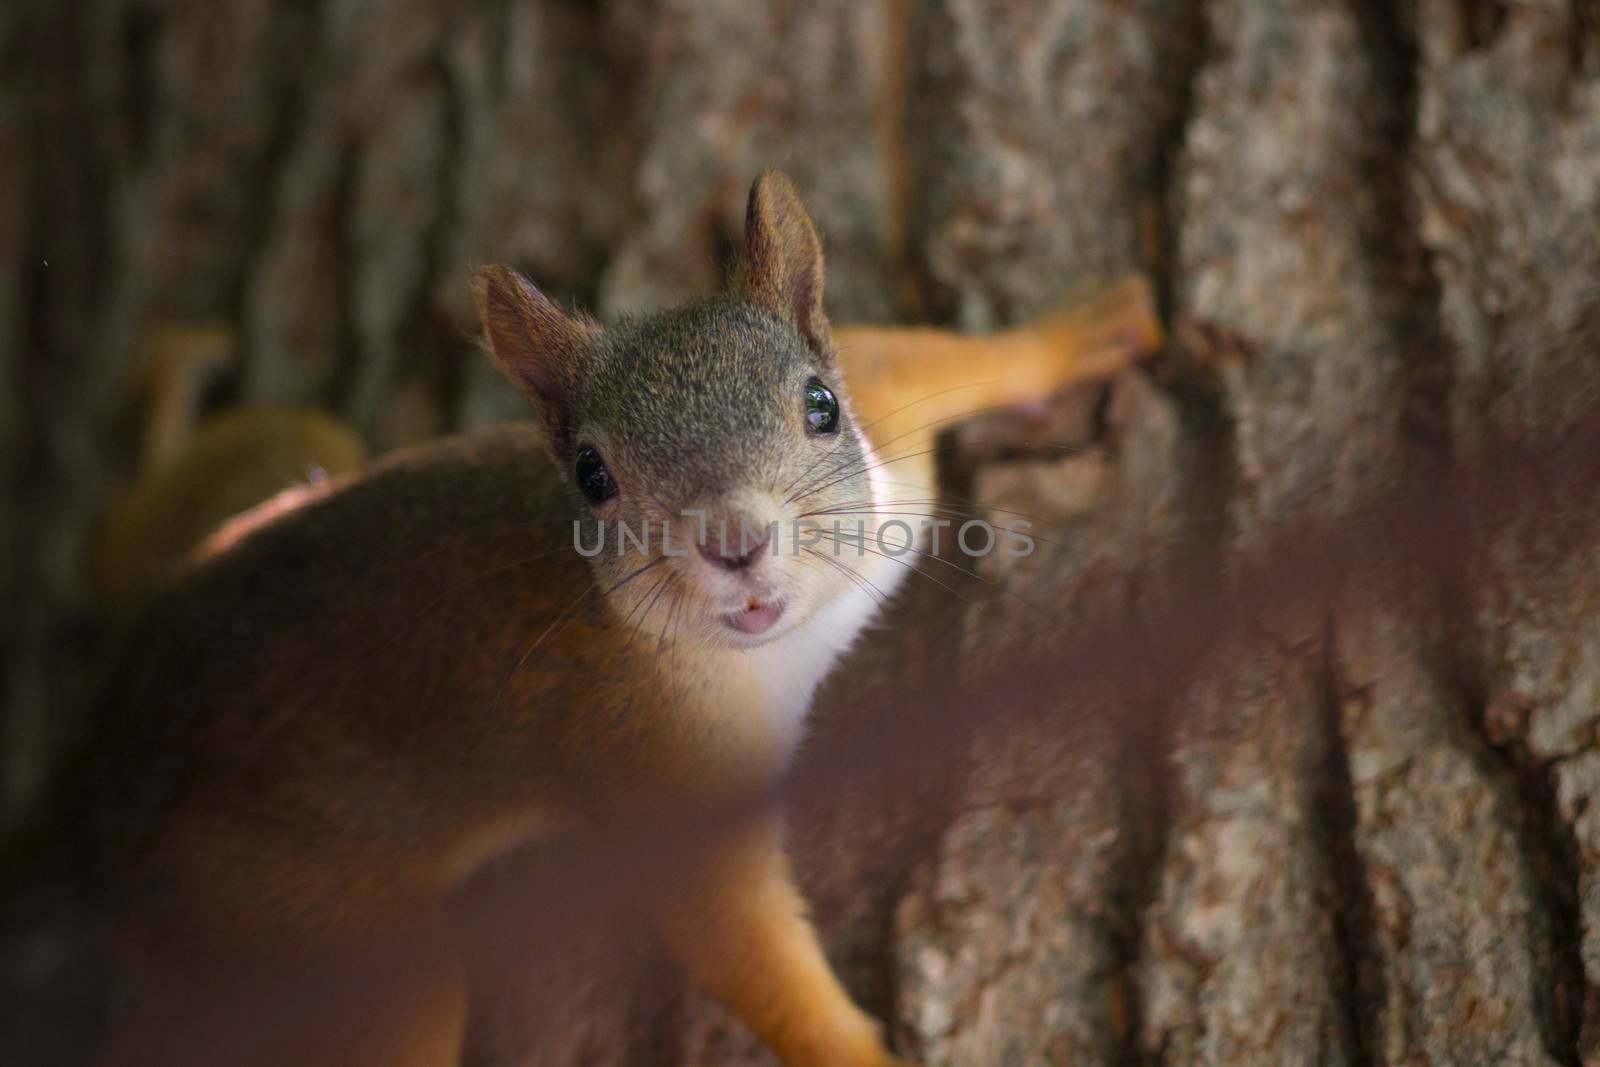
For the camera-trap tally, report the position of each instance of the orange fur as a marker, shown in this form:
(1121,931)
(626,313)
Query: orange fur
(738,924)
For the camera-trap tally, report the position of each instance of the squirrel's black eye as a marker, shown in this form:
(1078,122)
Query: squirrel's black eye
(822,408)
(593,478)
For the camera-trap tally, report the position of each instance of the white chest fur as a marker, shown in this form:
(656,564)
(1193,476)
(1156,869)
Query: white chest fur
(784,674)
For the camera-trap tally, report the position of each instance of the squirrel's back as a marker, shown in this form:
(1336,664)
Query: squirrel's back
(295,719)
(317,678)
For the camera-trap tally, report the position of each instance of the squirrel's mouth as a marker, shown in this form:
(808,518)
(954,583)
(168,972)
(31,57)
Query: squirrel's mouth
(755,618)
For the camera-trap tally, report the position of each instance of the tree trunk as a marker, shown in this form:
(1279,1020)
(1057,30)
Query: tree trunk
(1359,835)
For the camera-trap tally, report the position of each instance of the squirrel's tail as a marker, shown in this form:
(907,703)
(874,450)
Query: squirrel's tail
(1095,333)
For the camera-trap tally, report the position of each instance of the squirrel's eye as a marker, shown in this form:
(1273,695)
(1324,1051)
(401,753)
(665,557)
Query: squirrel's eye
(593,478)
(822,408)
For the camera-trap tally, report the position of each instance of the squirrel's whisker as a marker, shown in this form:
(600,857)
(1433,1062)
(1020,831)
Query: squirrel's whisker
(925,399)
(946,587)
(889,415)
(1046,612)
(806,472)
(934,513)
(861,581)
(884,461)
(639,608)
(565,617)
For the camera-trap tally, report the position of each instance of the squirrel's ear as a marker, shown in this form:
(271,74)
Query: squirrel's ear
(537,346)
(781,267)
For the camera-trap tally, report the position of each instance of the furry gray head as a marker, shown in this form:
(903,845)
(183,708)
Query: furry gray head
(730,408)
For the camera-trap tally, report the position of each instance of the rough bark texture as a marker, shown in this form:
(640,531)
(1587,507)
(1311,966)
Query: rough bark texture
(1367,834)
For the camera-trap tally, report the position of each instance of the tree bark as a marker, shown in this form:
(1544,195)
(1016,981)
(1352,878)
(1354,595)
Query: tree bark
(1359,834)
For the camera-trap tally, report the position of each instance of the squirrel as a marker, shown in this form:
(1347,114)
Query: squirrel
(335,718)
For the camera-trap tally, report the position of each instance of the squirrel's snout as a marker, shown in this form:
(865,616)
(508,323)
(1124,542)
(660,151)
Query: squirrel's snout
(736,530)
(736,552)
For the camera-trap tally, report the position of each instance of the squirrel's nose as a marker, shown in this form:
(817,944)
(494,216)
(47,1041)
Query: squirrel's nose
(737,555)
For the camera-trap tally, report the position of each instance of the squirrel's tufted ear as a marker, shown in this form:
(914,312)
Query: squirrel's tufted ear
(781,267)
(537,346)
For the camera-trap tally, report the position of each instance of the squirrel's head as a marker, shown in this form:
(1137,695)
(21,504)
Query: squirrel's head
(710,451)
